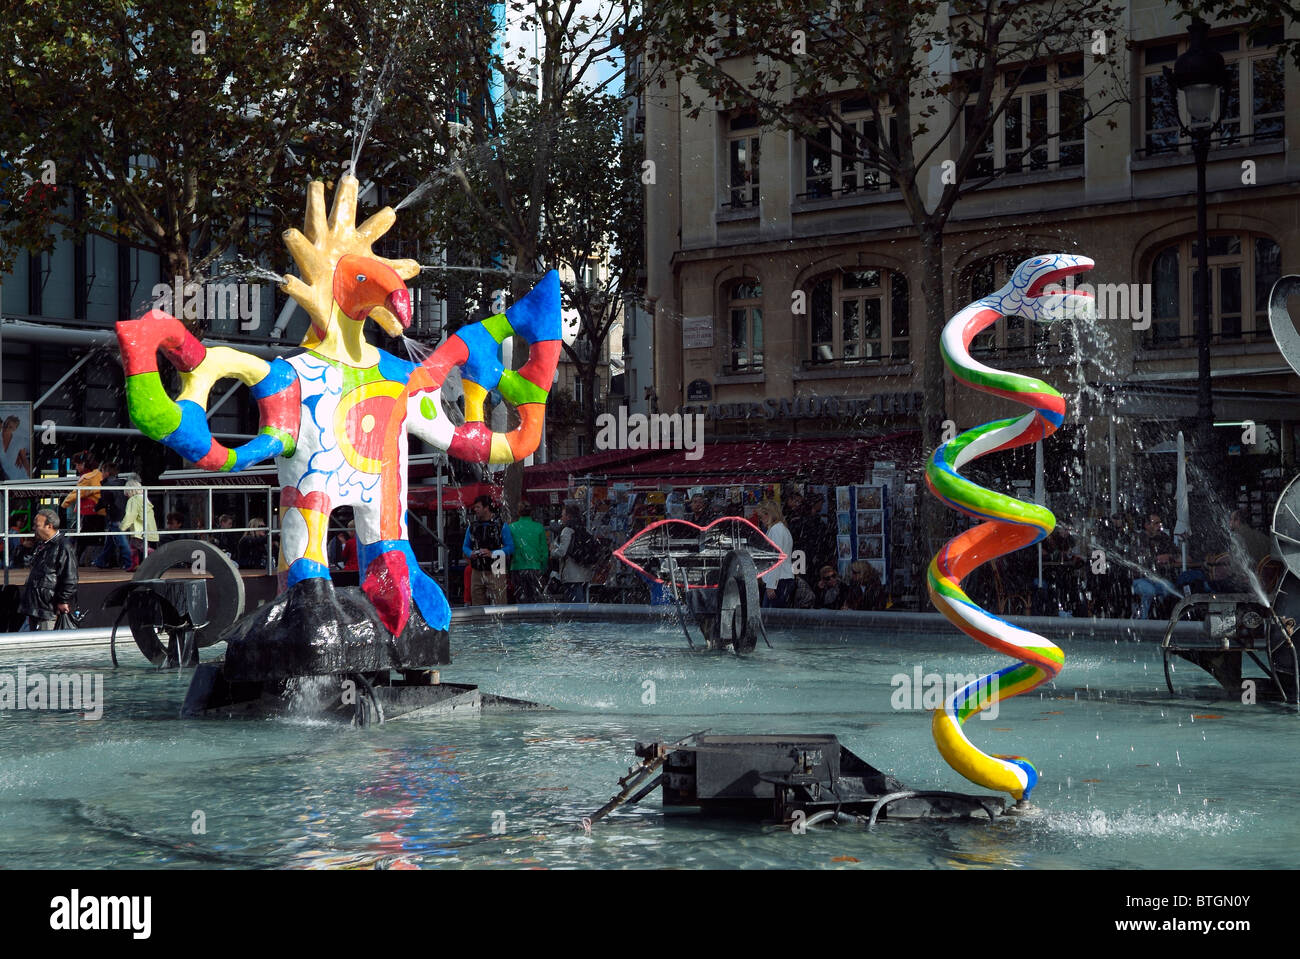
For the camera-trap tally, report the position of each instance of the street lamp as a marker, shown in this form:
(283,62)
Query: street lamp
(1200,80)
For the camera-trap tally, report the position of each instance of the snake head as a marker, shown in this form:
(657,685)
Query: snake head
(1037,284)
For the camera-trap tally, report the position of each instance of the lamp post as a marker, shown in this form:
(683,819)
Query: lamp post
(1199,78)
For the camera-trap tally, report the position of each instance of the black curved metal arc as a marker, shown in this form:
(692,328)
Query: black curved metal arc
(884,801)
(374,699)
(112,637)
(225,586)
(677,601)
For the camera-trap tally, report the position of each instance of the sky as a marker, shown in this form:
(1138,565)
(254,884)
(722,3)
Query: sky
(516,37)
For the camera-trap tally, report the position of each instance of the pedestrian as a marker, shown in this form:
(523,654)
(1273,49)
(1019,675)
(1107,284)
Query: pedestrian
(1157,556)
(532,551)
(779,582)
(810,534)
(702,513)
(175,522)
(864,591)
(112,502)
(489,545)
(574,548)
(830,591)
(85,498)
(350,548)
(251,550)
(15,553)
(51,588)
(138,519)
(226,539)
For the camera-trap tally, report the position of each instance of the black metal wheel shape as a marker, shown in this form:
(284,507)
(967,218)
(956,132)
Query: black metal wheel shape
(739,618)
(225,586)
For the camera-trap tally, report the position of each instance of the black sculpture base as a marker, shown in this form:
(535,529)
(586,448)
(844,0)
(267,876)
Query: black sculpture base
(313,629)
(360,698)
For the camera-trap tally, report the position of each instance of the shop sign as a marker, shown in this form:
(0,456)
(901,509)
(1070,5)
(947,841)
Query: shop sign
(810,407)
(697,332)
(699,391)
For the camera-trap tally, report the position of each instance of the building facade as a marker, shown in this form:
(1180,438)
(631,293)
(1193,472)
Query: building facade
(785,284)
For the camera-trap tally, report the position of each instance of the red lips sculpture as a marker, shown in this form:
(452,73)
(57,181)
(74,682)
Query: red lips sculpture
(697,552)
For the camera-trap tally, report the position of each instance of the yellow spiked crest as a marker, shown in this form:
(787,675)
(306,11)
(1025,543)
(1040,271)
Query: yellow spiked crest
(322,242)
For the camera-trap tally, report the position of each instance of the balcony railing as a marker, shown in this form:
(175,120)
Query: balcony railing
(1155,340)
(901,354)
(1224,142)
(822,191)
(741,204)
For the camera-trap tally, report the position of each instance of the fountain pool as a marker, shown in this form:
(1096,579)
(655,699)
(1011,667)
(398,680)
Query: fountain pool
(1130,777)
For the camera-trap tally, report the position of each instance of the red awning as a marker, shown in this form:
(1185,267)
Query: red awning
(545,477)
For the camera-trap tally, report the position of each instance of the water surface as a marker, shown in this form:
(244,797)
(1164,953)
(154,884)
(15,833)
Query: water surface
(1130,777)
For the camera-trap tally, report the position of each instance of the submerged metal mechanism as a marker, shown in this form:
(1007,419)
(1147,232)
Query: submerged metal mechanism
(799,780)
(729,615)
(172,619)
(361,698)
(1238,625)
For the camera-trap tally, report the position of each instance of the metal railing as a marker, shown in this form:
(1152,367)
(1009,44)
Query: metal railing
(23,500)
(1164,341)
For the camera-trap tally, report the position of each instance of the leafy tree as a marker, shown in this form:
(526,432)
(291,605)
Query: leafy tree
(173,124)
(591,213)
(1257,13)
(499,132)
(460,83)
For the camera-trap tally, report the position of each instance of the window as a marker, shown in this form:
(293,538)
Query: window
(577,390)
(590,275)
(858,317)
(1242,271)
(742,162)
(1011,334)
(745,315)
(1255,105)
(1042,126)
(837,162)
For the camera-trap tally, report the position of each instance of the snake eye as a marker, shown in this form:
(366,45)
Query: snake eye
(361,278)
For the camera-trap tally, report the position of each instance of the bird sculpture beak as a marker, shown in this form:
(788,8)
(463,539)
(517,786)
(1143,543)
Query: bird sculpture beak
(398,303)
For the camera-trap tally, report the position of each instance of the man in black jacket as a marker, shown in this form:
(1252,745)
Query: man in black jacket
(52,580)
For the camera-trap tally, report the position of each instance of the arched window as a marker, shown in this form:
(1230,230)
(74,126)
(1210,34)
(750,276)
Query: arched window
(745,312)
(859,317)
(1242,271)
(1013,333)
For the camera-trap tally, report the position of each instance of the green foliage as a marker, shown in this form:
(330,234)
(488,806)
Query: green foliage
(906,59)
(1257,13)
(171,137)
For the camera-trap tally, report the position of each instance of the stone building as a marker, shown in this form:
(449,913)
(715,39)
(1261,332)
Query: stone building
(742,220)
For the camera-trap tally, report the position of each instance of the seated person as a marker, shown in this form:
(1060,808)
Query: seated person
(830,591)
